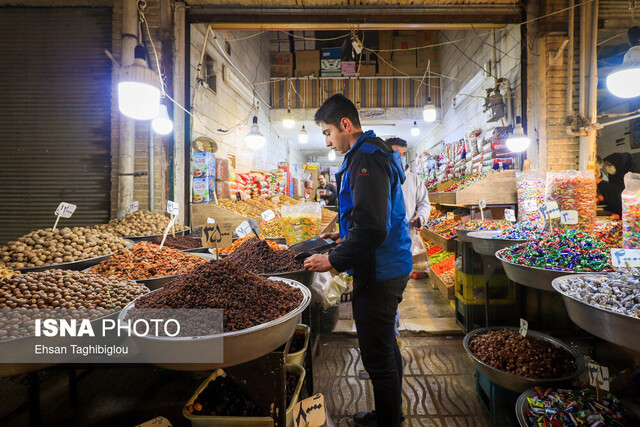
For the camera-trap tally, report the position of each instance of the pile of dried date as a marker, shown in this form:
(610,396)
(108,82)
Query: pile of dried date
(257,256)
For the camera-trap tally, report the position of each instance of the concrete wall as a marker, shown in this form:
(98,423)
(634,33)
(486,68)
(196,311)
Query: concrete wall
(225,108)
(466,82)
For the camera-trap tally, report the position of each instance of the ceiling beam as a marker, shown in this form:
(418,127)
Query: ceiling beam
(357,17)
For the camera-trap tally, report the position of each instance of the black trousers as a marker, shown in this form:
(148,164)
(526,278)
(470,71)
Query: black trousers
(374,312)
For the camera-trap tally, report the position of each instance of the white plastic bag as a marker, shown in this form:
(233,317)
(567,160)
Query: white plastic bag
(419,253)
(327,289)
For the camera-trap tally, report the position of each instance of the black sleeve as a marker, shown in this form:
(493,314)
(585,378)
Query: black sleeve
(369,183)
(612,197)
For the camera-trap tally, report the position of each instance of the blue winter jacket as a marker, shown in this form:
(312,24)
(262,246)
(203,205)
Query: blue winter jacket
(375,242)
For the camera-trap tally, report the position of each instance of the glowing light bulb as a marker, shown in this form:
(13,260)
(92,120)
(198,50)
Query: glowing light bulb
(162,124)
(303,137)
(415,130)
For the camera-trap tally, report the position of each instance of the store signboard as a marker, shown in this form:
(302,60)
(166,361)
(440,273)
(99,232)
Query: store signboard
(624,258)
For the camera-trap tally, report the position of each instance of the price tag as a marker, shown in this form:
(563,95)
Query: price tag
(268,215)
(524,327)
(310,412)
(164,236)
(598,376)
(549,210)
(243,229)
(622,257)
(219,235)
(450,215)
(133,207)
(65,210)
(211,221)
(569,217)
(173,208)
(510,215)
(482,204)
(530,205)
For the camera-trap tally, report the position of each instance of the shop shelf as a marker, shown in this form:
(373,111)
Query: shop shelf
(496,401)
(469,289)
(447,291)
(436,239)
(470,317)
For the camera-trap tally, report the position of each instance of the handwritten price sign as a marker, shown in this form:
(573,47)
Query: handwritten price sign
(65,210)
(598,376)
(173,208)
(310,412)
(133,207)
(549,210)
(569,217)
(243,229)
(624,257)
(217,235)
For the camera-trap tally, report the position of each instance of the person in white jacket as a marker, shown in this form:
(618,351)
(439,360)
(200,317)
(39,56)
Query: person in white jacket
(416,199)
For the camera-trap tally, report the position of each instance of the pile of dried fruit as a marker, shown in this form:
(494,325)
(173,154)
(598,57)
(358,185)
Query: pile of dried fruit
(243,240)
(45,247)
(258,257)
(246,299)
(145,260)
(5,272)
(139,223)
(223,397)
(179,242)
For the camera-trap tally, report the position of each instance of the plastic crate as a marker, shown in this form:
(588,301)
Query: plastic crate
(470,317)
(470,289)
(468,261)
(297,358)
(497,402)
(299,370)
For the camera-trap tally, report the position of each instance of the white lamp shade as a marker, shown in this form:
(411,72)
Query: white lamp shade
(139,91)
(254,139)
(429,113)
(331,156)
(624,82)
(303,136)
(518,141)
(415,130)
(288,121)
(162,124)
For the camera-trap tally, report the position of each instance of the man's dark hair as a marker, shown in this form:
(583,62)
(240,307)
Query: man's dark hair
(334,109)
(396,141)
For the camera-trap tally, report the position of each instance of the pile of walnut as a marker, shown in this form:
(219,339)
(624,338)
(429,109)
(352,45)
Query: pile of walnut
(139,223)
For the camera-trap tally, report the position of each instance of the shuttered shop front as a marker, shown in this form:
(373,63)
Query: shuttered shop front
(55,103)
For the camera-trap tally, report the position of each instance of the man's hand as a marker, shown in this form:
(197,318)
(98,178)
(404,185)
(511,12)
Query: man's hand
(333,236)
(416,222)
(317,262)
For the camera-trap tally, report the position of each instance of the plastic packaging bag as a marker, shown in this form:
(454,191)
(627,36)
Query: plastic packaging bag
(222,169)
(631,211)
(419,253)
(531,192)
(573,191)
(301,221)
(327,289)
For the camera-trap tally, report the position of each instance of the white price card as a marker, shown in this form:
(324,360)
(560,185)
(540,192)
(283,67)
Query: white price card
(211,220)
(310,412)
(482,203)
(173,208)
(549,210)
(524,327)
(620,258)
(530,205)
(133,207)
(598,376)
(510,215)
(243,229)
(65,210)
(569,217)
(268,215)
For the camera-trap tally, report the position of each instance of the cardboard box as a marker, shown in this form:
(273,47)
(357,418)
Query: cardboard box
(348,68)
(311,33)
(385,40)
(427,37)
(282,70)
(405,62)
(330,67)
(200,190)
(404,42)
(284,46)
(282,35)
(298,44)
(212,189)
(307,63)
(367,70)
(204,165)
(331,53)
(309,45)
(282,59)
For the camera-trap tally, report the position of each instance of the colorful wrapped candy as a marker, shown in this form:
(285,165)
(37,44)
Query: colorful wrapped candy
(531,191)
(485,225)
(573,190)
(523,230)
(631,212)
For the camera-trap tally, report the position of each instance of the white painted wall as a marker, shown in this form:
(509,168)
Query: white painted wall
(465,81)
(225,108)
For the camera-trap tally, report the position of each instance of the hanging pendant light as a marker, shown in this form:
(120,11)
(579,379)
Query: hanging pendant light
(303,137)
(624,82)
(254,139)
(162,124)
(139,89)
(288,121)
(429,113)
(415,130)
(518,141)
(332,155)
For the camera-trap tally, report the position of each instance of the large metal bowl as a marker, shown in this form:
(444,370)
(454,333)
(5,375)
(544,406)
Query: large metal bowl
(614,327)
(515,382)
(303,276)
(152,236)
(463,235)
(533,277)
(485,243)
(239,346)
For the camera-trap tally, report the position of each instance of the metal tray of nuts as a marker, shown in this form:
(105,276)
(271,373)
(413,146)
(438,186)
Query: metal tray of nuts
(516,382)
(153,236)
(75,265)
(614,327)
(239,346)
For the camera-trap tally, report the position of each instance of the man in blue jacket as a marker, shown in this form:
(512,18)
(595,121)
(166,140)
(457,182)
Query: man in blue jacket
(374,246)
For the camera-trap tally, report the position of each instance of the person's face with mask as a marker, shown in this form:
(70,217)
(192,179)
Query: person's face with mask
(403,154)
(611,169)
